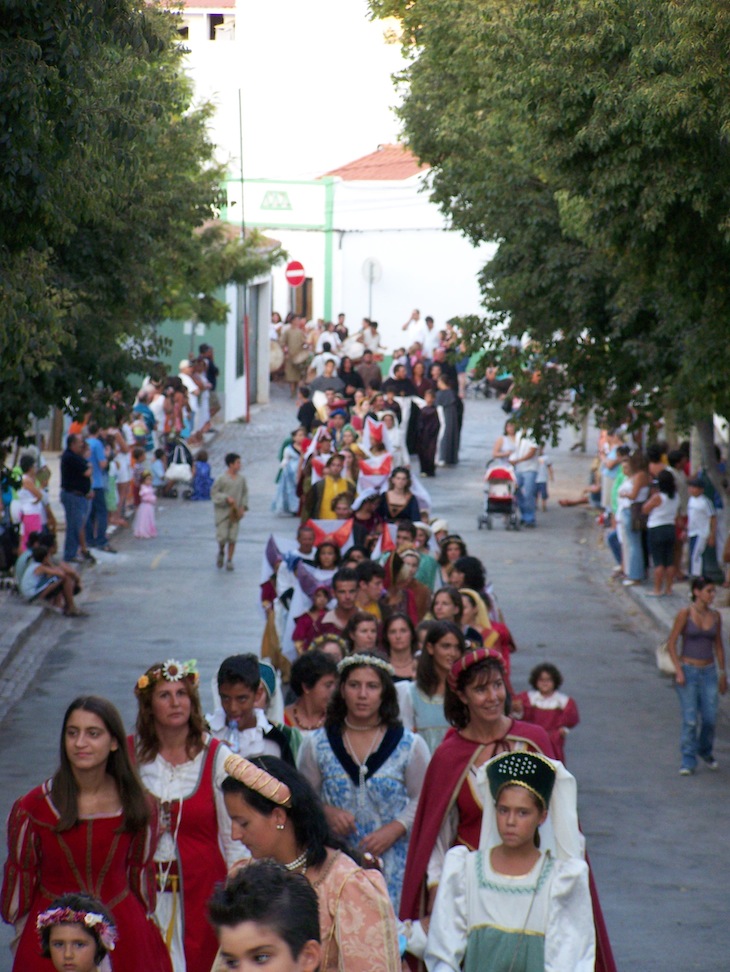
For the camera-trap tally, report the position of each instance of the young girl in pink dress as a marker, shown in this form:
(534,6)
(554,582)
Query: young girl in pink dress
(144,518)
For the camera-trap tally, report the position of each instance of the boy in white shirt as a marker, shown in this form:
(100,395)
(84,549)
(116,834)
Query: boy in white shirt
(701,527)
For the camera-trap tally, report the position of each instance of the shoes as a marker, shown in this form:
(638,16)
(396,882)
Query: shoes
(229,565)
(686,771)
(77,613)
(78,559)
(108,549)
(88,555)
(219,561)
(529,526)
(712,763)
(629,583)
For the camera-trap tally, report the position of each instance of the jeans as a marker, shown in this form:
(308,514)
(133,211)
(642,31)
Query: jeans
(635,567)
(96,535)
(698,697)
(77,509)
(526,493)
(614,545)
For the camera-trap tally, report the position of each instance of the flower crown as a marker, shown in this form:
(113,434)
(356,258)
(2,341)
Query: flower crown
(170,671)
(372,661)
(97,924)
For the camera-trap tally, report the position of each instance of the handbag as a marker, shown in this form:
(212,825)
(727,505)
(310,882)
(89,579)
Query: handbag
(639,520)
(663,659)
(178,472)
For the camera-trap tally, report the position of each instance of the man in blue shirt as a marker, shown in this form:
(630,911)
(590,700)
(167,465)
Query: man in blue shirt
(96,532)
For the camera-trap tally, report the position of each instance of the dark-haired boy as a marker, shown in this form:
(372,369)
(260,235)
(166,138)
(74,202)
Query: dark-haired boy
(239,690)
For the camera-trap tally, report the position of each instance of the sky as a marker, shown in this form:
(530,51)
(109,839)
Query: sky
(315,86)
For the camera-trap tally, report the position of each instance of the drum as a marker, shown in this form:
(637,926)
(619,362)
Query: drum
(301,357)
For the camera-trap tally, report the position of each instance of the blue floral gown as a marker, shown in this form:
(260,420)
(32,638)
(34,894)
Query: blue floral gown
(386,788)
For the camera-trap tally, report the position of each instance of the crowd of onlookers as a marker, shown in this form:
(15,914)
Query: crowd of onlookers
(110,475)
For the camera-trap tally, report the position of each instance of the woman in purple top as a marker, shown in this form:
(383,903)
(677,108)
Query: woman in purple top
(699,673)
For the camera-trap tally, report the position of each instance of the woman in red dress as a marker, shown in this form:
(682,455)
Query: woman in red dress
(89,829)
(181,766)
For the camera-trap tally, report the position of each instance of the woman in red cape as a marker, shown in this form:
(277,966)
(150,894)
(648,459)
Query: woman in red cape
(475,706)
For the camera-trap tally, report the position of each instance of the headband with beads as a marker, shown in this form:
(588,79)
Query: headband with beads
(471,658)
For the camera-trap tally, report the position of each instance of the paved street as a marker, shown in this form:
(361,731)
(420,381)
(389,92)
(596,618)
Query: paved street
(657,842)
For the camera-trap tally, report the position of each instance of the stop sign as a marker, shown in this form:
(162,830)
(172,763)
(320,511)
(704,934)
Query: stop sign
(295,274)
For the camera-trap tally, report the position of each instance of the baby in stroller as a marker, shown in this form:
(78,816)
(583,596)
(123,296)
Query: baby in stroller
(500,488)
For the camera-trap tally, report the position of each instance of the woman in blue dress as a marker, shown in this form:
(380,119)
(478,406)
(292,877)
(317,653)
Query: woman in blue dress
(422,701)
(286,500)
(366,766)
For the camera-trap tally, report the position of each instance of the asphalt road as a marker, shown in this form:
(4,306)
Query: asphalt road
(657,842)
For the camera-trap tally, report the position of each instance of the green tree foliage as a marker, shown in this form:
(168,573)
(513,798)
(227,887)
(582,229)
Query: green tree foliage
(108,200)
(589,139)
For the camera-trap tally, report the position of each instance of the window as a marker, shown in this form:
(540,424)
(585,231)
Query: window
(214,20)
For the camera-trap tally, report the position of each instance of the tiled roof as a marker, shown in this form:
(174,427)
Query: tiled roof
(389,162)
(209,4)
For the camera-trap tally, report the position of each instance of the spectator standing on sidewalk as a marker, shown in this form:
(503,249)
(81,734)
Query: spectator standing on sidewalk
(98,514)
(230,501)
(75,487)
(701,526)
(526,464)
(698,677)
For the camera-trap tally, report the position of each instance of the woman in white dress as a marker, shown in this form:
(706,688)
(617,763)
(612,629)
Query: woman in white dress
(512,906)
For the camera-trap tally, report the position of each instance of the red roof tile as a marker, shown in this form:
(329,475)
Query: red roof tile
(389,162)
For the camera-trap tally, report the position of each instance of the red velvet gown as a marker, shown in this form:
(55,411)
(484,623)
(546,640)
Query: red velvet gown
(94,856)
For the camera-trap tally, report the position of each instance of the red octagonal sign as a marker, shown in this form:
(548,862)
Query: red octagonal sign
(295,274)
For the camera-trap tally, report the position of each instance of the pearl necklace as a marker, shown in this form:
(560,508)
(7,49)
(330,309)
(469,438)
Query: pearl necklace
(298,862)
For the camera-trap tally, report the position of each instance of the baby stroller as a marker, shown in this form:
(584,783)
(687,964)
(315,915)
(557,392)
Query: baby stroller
(500,488)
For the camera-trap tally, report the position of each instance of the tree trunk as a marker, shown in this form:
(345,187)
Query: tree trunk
(702,454)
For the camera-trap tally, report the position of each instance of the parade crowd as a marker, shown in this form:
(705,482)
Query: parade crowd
(372,789)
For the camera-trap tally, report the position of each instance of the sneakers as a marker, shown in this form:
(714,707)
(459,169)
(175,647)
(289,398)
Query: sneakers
(229,565)
(629,583)
(219,561)
(712,763)
(686,771)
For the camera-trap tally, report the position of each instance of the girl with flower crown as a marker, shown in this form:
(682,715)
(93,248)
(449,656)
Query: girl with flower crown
(77,933)
(367,767)
(181,766)
(89,829)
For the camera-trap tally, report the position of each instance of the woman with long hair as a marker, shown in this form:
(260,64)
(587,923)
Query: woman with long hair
(422,701)
(367,767)
(89,829)
(361,632)
(181,766)
(398,501)
(446,605)
(452,547)
(285,499)
(700,674)
(662,508)
(400,645)
(278,816)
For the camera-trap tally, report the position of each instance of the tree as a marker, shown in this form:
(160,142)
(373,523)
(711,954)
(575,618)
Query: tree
(109,198)
(588,138)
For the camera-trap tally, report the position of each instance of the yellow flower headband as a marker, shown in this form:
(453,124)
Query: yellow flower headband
(170,671)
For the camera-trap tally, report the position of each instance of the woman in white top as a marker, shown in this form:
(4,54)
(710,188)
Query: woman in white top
(634,489)
(662,508)
(506,444)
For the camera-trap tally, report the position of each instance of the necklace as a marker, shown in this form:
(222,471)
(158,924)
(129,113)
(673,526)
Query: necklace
(361,765)
(298,862)
(361,728)
(300,724)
